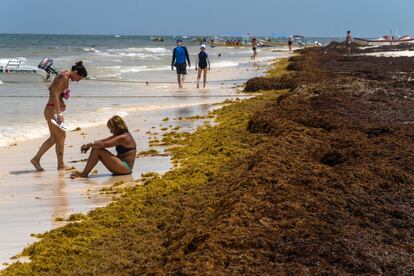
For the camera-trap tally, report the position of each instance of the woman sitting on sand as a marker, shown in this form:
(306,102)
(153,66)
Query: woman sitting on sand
(53,112)
(125,147)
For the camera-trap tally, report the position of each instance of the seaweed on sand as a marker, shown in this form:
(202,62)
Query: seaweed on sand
(317,182)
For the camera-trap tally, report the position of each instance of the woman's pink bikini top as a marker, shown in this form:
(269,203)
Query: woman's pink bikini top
(66,93)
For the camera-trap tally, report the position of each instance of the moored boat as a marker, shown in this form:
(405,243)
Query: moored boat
(14,71)
(160,39)
(385,40)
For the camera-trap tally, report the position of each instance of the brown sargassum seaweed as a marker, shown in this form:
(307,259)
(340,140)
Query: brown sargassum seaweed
(316,181)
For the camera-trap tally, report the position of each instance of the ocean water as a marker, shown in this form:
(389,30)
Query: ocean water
(118,67)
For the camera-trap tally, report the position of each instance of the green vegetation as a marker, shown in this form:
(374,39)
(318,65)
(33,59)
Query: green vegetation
(76,217)
(133,234)
(151,226)
(148,177)
(279,68)
(175,138)
(198,117)
(150,152)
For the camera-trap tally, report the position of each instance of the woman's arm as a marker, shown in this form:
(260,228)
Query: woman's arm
(108,142)
(55,95)
(173,59)
(56,91)
(187,56)
(105,139)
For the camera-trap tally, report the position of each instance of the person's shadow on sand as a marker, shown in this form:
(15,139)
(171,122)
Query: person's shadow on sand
(23,172)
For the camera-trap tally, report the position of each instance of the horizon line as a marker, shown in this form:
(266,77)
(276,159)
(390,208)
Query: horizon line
(172,35)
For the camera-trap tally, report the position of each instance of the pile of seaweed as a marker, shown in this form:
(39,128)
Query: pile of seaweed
(317,64)
(342,154)
(314,179)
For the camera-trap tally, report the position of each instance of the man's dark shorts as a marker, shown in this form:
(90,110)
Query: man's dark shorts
(181,69)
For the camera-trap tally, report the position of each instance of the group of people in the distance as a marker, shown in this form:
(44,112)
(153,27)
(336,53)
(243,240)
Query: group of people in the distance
(180,59)
(120,138)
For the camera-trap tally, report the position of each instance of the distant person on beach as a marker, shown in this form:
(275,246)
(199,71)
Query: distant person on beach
(180,56)
(124,144)
(348,42)
(254,47)
(201,65)
(290,42)
(53,112)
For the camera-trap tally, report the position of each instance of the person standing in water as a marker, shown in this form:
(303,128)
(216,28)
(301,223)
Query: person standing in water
(179,59)
(53,113)
(348,42)
(290,42)
(254,47)
(201,65)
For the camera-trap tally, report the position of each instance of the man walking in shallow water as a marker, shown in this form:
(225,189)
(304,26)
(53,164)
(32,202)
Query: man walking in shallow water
(179,59)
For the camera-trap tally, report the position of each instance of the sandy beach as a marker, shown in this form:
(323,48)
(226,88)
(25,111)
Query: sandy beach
(33,202)
(314,175)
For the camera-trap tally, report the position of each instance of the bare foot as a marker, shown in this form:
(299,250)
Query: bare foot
(64,167)
(36,164)
(77,174)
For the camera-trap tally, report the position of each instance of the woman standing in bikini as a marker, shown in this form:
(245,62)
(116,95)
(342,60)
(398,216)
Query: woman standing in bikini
(201,65)
(125,147)
(58,90)
(254,47)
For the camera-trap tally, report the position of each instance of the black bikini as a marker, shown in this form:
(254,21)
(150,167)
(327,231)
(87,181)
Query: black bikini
(121,149)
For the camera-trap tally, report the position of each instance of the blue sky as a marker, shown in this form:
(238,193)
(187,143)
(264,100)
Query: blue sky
(208,17)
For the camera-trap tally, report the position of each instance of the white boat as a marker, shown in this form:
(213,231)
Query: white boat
(13,70)
(385,40)
(160,39)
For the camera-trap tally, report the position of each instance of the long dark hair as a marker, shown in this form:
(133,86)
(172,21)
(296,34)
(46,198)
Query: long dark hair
(80,69)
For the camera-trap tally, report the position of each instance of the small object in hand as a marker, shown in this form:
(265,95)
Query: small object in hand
(55,120)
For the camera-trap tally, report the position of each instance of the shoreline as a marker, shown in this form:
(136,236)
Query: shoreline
(151,182)
(60,196)
(66,196)
(130,97)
